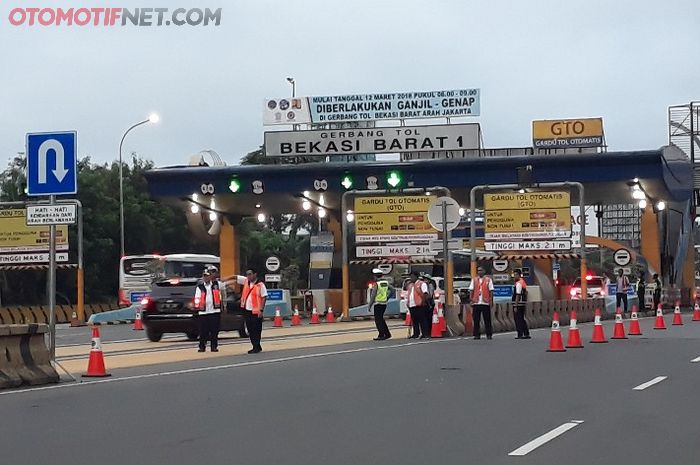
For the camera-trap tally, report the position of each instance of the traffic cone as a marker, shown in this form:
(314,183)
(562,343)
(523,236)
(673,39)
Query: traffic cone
(138,323)
(574,337)
(635,330)
(619,331)
(598,333)
(314,316)
(435,330)
(296,318)
(96,363)
(555,342)
(441,318)
(696,312)
(677,317)
(330,316)
(660,323)
(407,321)
(277,322)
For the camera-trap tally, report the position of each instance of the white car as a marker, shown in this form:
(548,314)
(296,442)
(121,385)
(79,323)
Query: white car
(594,285)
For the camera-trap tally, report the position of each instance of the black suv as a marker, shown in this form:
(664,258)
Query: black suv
(170,309)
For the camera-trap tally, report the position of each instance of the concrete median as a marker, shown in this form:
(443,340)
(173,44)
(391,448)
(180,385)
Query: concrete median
(24,357)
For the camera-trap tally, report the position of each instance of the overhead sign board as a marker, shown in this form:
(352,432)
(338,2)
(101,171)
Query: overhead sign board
(38,215)
(532,215)
(16,236)
(372,140)
(393,250)
(18,258)
(52,163)
(372,107)
(393,204)
(509,246)
(584,132)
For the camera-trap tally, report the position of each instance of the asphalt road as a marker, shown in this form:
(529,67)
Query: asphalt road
(450,401)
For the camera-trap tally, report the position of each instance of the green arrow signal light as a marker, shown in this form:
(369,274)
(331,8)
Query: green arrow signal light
(347,182)
(393,178)
(235,185)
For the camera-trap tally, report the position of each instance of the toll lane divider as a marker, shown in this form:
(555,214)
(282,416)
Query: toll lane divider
(24,357)
(39,314)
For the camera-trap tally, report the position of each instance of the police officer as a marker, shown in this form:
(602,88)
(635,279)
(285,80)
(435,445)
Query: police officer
(417,297)
(641,290)
(207,299)
(519,305)
(253,299)
(378,298)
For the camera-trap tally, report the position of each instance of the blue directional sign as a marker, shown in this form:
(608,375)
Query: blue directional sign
(52,163)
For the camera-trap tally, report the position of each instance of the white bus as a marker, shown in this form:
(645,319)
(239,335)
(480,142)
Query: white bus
(137,272)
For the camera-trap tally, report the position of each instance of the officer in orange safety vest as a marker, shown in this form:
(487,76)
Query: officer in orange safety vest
(253,300)
(481,291)
(417,297)
(207,299)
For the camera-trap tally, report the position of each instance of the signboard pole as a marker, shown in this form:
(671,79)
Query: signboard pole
(52,287)
(446,256)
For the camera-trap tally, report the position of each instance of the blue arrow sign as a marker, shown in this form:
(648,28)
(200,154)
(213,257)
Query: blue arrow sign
(52,163)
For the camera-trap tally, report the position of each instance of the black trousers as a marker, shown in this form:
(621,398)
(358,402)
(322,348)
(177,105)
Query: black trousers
(520,323)
(621,298)
(254,325)
(477,312)
(382,327)
(657,299)
(209,330)
(418,315)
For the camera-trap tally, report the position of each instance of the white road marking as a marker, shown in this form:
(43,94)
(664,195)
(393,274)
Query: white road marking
(545,438)
(228,366)
(656,380)
(695,360)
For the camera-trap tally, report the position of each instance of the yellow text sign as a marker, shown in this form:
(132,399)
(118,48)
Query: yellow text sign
(16,236)
(583,132)
(392,223)
(528,200)
(393,204)
(528,224)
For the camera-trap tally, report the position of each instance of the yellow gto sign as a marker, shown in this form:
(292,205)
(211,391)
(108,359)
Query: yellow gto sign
(397,204)
(392,223)
(16,236)
(531,215)
(563,133)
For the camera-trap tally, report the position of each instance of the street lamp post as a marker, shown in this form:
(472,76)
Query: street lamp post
(153,118)
(294,86)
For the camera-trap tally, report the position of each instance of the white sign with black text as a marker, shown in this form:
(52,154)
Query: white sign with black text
(40,215)
(372,140)
(394,250)
(514,246)
(414,238)
(15,259)
(273,278)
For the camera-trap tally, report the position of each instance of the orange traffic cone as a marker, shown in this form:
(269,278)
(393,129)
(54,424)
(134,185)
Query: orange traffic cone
(677,317)
(574,333)
(96,363)
(696,312)
(330,316)
(277,322)
(598,333)
(296,318)
(441,318)
(138,323)
(555,342)
(435,330)
(314,316)
(660,323)
(635,330)
(619,331)
(407,321)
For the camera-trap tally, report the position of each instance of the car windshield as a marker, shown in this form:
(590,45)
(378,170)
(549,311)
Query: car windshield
(593,282)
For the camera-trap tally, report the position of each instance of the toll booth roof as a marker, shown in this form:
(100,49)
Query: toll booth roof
(665,174)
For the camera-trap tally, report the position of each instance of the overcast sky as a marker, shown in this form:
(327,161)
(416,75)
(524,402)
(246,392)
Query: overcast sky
(623,60)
